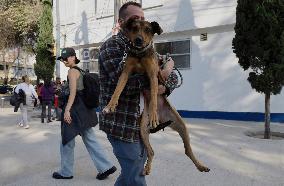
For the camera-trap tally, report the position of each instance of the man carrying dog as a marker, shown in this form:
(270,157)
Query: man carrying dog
(122,126)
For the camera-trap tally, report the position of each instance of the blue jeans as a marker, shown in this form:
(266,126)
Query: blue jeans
(95,150)
(131,157)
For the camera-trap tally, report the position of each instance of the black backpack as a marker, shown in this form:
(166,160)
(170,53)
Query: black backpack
(91,88)
(63,95)
(14,98)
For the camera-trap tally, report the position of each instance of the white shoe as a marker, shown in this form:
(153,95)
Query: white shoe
(27,127)
(20,124)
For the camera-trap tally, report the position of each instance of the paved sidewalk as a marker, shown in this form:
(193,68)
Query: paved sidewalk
(29,156)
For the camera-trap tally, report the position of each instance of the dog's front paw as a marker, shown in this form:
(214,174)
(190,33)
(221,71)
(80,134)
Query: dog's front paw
(202,168)
(106,110)
(153,119)
(109,108)
(112,108)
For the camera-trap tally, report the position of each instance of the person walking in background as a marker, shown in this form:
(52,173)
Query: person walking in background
(26,107)
(58,88)
(58,81)
(78,119)
(57,110)
(63,83)
(47,94)
(38,89)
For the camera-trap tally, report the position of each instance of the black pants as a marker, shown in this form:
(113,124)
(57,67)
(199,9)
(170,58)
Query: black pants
(43,109)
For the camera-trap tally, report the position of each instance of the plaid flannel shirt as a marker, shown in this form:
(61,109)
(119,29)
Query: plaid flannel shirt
(123,123)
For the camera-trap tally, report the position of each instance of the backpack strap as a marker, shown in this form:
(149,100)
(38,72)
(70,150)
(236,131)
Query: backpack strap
(82,72)
(77,68)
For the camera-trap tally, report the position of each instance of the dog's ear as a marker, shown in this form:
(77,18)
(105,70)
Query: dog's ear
(127,26)
(156,28)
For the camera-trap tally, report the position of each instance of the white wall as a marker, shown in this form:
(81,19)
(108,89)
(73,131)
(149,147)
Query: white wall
(216,82)
(81,21)
(180,15)
(86,22)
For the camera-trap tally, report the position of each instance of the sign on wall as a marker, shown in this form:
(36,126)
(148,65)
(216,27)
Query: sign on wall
(85,54)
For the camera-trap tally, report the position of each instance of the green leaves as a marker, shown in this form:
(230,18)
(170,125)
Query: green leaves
(44,67)
(18,21)
(259,43)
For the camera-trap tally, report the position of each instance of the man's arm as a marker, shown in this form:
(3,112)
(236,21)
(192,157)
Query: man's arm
(171,83)
(171,79)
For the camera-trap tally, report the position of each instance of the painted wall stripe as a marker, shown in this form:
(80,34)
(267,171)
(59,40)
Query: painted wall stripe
(240,116)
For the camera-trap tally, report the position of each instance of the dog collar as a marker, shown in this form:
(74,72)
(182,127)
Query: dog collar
(140,52)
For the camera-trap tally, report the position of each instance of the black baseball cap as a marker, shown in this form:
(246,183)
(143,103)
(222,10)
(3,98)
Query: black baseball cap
(67,52)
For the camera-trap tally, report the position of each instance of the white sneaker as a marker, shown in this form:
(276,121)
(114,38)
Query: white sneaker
(27,127)
(20,124)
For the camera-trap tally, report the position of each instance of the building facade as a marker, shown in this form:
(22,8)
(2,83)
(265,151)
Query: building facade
(15,66)
(197,34)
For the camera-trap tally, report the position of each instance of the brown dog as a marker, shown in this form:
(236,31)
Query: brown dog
(141,58)
(141,35)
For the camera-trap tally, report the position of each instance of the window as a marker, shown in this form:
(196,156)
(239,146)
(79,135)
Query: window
(178,50)
(89,59)
(2,67)
(94,56)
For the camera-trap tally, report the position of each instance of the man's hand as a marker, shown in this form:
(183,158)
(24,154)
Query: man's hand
(161,89)
(165,72)
(168,68)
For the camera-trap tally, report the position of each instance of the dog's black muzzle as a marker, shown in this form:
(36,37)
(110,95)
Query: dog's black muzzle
(138,42)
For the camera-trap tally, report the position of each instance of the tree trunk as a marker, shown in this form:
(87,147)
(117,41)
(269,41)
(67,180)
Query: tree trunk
(267,116)
(5,71)
(17,71)
(25,65)
(5,68)
(4,63)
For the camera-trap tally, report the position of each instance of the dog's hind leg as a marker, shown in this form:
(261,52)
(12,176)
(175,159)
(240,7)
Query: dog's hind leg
(145,138)
(179,126)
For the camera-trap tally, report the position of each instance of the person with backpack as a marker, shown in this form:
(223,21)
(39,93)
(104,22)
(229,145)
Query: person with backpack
(47,96)
(76,119)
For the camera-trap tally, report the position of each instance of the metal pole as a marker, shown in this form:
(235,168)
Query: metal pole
(116,11)
(17,71)
(2,102)
(57,70)
(64,45)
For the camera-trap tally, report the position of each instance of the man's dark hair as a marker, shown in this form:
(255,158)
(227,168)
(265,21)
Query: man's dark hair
(122,10)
